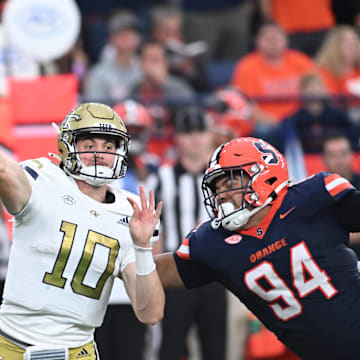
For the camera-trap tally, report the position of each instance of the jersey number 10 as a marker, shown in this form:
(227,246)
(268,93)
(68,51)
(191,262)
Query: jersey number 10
(302,264)
(77,283)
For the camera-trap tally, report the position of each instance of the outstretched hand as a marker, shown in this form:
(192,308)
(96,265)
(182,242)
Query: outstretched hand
(144,219)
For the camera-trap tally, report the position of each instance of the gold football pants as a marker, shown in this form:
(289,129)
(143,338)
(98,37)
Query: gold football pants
(11,351)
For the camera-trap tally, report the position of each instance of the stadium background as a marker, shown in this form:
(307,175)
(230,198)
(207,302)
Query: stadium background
(29,105)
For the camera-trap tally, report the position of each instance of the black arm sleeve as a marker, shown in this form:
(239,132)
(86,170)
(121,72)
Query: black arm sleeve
(348,211)
(192,273)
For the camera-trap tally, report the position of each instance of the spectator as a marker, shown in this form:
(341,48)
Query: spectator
(271,73)
(338,158)
(185,60)
(339,64)
(142,162)
(305,21)
(111,79)
(224,25)
(179,187)
(339,59)
(303,131)
(159,90)
(231,113)
(316,117)
(95,15)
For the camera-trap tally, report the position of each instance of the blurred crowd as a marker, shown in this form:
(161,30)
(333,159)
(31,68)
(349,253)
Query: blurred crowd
(270,68)
(187,76)
(285,71)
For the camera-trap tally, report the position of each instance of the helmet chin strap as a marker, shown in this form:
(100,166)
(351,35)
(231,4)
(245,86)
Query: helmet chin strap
(234,219)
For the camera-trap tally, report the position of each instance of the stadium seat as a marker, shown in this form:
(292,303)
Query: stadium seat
(313,163)
(45,99)
(356,162)
(6,133)
(34,141)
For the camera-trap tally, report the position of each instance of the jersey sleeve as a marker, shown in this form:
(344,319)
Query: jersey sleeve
(347,211)
(336,186)
(192,272)
(321,193)
(129,257)
(33,170)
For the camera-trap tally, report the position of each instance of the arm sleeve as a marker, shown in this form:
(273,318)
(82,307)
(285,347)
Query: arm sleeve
(192,273)
(348,211)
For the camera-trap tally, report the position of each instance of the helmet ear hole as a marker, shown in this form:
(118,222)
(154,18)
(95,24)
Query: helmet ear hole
(271,180)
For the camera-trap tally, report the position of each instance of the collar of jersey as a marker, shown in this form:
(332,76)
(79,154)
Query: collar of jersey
(104,205)
(265,223)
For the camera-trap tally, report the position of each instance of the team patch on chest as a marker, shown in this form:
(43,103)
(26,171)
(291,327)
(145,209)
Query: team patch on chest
(260,254)
(233,239)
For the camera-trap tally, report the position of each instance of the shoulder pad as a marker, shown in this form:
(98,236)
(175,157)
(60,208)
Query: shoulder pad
(34,167)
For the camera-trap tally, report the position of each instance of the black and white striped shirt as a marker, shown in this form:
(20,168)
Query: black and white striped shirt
(183,207)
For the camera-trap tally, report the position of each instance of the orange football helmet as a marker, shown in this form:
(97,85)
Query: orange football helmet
(138,122)
(232,113)
(266,168)
(133,113)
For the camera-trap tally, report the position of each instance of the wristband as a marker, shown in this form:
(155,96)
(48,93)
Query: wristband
(144,260)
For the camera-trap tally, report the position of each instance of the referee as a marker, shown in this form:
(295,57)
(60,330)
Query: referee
(179,186)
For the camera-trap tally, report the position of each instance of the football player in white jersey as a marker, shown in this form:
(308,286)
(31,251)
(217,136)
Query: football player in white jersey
(72,238)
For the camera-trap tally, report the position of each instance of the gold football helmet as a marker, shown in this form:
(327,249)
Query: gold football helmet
(93,119)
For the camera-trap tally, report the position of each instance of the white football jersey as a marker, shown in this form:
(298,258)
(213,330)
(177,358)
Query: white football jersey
(66,252)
